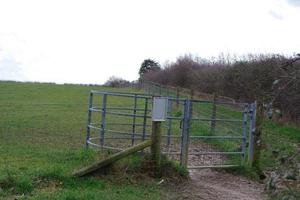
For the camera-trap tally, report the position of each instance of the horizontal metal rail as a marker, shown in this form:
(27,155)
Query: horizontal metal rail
(180,100)
(220,102)
(176,118)
(217,137)
(211,166)
(206,119)
(125,108)
(207,137)
(94,127)
(206,153)
(115,138)
(117,113)
(125,133)
(121,124)
(105,147)
(222,120)
(171,136)
(120,94)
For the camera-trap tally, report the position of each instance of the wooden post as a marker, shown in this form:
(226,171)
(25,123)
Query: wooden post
(192,94)
(177,97)
(213,115)
(155,147)
(257,136)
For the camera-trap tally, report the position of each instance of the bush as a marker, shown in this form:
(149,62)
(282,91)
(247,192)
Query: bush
(117,82)
(245,79)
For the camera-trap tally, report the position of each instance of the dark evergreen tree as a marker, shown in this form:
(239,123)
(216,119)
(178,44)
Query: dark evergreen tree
(148,65)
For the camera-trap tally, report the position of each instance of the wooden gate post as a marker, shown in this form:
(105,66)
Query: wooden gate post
(159,114)
(257,135)
(192,94)
(177,97)
(155,147)
(213,115)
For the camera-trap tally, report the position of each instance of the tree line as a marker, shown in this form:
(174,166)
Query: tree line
(272,79)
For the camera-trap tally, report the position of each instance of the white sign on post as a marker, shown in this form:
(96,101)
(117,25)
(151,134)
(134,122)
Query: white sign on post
(159,109)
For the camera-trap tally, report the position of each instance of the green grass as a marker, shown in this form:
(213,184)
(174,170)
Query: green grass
(42,135)
(279,142)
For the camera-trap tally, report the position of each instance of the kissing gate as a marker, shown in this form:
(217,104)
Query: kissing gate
(196,133)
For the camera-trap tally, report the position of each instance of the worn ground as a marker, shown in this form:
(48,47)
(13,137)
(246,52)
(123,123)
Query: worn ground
(207,184)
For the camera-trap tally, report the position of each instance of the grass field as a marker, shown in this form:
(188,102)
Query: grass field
(42,135)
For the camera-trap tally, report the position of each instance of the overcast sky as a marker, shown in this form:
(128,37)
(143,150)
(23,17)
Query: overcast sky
(85,41)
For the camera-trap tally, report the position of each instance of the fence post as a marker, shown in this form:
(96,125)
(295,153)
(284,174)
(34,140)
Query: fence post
(169,122)
(213,115)
(192,93)
(102,130)
(159,86)
(134,119)
(251,133)
(185,133)
(155,147)
(145,119)
(246,110)
(88,130)
(149,88)
(257,144)
(177,97)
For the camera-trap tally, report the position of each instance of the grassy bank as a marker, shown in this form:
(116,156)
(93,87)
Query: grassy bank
(42,134)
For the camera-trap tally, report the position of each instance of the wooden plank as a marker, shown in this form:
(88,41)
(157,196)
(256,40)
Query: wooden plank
(103,163)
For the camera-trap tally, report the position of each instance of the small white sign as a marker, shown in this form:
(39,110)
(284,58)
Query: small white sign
(159,109)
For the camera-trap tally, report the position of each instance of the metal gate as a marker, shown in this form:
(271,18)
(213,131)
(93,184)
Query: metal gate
(117,120)
(196,133)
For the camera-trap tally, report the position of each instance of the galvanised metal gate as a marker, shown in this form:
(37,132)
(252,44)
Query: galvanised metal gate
(117,120)
(218,133)
(196,133)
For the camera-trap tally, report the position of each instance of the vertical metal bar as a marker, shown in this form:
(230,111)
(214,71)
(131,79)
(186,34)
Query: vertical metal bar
(88,130)
(169,122)
(133,121)
(145,119)
(185,133)
(251,132)
(245,124)
(103,116)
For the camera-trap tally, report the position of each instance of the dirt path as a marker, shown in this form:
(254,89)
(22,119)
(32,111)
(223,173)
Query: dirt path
(209,184)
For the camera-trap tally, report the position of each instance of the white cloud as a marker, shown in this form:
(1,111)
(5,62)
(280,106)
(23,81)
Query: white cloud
(294,2)
(89,41)
(10,69)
